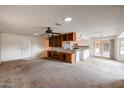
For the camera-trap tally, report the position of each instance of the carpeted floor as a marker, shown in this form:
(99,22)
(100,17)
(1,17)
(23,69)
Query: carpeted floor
(41,73)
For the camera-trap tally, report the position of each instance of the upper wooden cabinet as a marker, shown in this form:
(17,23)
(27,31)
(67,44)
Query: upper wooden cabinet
(65,37)
(57,41)
(71,36)
(50,41)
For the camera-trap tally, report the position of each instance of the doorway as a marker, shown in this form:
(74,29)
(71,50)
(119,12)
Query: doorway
(102,48)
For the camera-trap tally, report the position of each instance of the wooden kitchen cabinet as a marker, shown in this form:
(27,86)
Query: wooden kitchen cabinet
(69,36)
(60,55)
(50,41)
(70,58)
(72,36)
(57,41)
(49,53)
(67,57)
(65,37)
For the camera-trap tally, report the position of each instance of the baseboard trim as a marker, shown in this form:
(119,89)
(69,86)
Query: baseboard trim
(20,59)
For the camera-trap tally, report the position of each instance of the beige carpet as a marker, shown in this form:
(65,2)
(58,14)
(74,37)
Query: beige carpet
(92,72)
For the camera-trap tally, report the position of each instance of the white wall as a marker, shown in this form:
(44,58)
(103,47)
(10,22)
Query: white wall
(11,46)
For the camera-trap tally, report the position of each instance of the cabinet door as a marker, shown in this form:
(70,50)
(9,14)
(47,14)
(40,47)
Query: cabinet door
(60,41)
(49,53)
(68,58)
(65,38)
(61,56)
(72,36)
(57,41)
(50,41)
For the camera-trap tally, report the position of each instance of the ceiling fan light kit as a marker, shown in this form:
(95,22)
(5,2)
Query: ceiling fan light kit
(67,19)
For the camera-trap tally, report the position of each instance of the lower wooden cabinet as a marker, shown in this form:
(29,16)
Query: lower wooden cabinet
(49,53)
(60,55)
(70,58)
(67,57)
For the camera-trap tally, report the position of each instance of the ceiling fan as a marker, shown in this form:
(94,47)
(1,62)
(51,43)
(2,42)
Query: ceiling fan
(49,32)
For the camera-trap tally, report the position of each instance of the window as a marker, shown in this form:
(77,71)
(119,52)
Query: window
(122,47)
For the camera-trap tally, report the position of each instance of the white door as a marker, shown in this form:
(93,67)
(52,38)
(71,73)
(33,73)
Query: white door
(26,48)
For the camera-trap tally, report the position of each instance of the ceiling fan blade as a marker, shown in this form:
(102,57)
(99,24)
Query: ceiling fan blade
(42,34)
(55,33)
(45,34)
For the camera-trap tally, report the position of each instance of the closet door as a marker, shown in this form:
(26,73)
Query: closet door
(26,48)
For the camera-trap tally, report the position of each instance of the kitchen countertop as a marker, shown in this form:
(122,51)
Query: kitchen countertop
(67,51)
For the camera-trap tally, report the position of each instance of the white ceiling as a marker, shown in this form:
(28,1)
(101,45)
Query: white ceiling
(86,20)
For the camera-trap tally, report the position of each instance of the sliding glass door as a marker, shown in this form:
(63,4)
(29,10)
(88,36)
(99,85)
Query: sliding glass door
(102,48)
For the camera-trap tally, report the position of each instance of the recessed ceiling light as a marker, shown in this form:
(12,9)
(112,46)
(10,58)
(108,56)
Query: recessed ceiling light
(67,19)
(36,34)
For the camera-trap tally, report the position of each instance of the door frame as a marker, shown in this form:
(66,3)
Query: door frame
(101,46)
